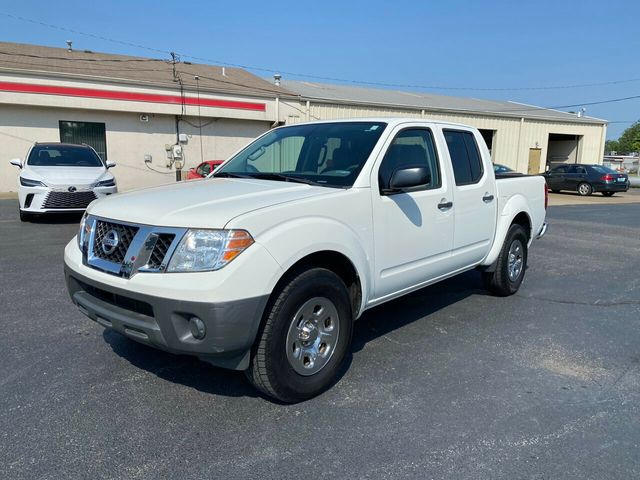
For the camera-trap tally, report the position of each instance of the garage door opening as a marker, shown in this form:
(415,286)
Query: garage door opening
(563,148)
(488,138)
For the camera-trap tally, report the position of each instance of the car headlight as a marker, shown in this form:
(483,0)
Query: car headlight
(27,182)
(105,183)
(83,233)
(202,250)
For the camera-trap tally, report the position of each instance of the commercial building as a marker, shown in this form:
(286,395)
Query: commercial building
(132,110)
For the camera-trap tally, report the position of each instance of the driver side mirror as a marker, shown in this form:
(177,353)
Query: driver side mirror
(17,162)
(110,165)
(407,178)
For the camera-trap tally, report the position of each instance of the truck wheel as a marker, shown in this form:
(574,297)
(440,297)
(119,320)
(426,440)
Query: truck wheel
(511,264)
(585,189)
(305,338)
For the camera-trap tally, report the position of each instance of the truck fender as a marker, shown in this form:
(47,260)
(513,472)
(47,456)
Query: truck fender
(515,205)
(289,242)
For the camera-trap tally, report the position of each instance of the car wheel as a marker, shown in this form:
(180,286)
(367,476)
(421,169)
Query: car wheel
(511,264)
(608,194)
(584,189)
(305,337)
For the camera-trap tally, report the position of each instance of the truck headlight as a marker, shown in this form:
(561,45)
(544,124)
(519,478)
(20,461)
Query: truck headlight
(83,233)
(202,250)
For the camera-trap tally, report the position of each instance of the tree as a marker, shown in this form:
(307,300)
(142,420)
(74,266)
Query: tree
(629,141)
(611,146)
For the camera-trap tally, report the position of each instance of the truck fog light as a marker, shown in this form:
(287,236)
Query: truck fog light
(198,330)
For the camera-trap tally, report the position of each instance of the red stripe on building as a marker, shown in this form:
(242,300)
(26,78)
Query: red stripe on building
(127,96)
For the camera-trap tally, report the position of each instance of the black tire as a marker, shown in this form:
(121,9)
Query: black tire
(584,189)
(499,282)
(555,191)
(270,369)
(608,194)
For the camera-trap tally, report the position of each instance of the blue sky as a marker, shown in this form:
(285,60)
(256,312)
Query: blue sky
(479,44)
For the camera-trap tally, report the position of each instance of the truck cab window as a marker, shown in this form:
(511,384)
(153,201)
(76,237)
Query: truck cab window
(412,147)
(465,157)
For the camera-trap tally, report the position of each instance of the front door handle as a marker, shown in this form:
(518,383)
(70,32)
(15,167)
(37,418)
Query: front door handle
(487,198)
(444,205)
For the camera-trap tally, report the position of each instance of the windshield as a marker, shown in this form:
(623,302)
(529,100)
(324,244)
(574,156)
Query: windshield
(63,156)
(327,154)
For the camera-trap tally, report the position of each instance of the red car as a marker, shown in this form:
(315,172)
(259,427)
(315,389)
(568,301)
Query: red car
(204,169)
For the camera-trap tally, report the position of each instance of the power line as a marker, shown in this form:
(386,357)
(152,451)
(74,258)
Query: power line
(320,77)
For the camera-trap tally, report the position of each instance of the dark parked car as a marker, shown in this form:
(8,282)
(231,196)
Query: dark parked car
(586,179)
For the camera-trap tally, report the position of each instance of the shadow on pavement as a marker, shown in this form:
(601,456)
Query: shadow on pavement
(191,372)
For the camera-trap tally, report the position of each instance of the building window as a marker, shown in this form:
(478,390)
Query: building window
(89,133)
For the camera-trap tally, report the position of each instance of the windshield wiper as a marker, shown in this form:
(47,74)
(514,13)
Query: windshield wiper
(285,178)
(230,175)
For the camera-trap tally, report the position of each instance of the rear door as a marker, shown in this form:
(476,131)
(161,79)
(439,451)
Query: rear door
(413,229)
(576,175)
(474,198)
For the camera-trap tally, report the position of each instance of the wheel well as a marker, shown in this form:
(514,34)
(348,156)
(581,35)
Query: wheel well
(523,220)
(338,264)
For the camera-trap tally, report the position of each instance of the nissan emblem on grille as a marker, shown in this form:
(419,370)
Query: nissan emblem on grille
(110,242)
(72,189)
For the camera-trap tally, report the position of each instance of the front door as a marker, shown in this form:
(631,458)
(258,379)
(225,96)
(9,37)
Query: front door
(413,230)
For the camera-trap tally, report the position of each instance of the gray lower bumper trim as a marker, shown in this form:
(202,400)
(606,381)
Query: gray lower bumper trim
(231,327)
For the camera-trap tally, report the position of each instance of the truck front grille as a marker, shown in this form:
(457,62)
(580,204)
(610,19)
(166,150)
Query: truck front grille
(160,250)
(124,249)
(64,200)
(124,235)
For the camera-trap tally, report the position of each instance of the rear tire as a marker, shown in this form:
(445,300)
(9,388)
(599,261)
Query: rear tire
(608,194)
(305,338)
(584,189)
(511,264)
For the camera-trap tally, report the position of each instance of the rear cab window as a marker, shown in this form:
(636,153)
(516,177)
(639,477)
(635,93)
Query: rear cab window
(465,156)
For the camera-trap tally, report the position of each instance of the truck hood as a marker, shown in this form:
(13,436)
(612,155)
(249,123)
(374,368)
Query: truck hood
(209,203)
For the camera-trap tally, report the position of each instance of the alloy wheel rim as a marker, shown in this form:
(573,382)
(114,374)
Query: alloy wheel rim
(516,260)
(313,335)
(584,189)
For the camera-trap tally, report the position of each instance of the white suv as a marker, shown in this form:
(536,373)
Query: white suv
(61,177)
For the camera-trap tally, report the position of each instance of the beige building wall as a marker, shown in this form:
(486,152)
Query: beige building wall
(128,140)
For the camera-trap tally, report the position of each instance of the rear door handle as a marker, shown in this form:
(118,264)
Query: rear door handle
(444,205)
(487,198)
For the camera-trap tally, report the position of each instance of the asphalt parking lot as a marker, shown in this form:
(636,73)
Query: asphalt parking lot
(445,383)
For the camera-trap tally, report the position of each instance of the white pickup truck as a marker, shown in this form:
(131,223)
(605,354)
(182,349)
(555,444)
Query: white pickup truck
(265,265)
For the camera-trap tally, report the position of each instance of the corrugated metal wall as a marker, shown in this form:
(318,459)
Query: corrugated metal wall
(511,142)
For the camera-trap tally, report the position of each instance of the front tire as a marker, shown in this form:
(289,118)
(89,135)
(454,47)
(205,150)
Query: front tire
(511,264)
(305,338)
(584,189)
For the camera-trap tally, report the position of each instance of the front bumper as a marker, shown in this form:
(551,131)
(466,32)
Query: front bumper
(231,327)
(34,199)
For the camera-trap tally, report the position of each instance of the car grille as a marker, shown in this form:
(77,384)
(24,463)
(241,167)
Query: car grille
(160,250)
(63,200)
(125,236)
